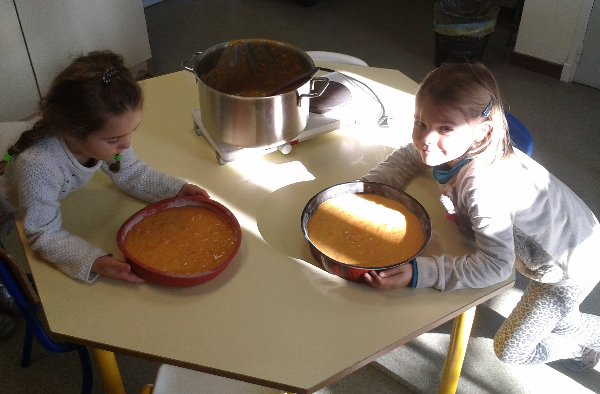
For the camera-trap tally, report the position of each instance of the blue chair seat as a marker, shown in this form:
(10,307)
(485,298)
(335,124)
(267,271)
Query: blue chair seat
(21,289)
(519,134)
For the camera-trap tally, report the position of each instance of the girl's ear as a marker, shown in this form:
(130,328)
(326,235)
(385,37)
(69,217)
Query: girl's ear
(484,129)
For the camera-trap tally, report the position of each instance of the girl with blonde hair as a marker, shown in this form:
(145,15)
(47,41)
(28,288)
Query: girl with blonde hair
(519,215)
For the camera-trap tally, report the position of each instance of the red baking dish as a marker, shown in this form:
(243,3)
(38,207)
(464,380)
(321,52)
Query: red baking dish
(156,276)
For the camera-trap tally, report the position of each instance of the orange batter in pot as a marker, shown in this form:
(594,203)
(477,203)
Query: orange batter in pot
(183,240)
(366,230)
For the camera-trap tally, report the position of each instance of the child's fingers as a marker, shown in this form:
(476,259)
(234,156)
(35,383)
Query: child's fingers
(372,278)
(205,193)
(132,278)
(192,190)
(117,269)
(123,272)
(392,271)
(378,280)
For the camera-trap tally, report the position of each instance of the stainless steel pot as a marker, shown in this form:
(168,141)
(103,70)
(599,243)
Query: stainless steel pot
(239,100)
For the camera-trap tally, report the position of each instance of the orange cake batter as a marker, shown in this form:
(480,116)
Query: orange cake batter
(183,240)
(368,230)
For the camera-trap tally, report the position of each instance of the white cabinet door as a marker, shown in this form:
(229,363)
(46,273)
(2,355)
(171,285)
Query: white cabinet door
(57,31)
(588,68)
(19,96)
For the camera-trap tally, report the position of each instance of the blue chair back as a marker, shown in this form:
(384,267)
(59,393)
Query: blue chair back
(21,289)
(519,134)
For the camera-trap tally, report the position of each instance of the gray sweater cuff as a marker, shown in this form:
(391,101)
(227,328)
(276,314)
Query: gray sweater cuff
(428,272)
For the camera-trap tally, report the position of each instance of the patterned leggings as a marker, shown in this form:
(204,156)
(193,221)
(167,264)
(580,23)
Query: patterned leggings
(546,325)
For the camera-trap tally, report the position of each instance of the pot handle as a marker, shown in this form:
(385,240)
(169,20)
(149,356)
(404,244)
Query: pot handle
(189,59)
(319,92)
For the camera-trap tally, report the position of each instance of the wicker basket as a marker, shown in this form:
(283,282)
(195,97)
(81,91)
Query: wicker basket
(459,49)
(462,29)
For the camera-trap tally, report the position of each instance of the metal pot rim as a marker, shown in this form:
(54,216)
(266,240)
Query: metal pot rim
(244,98)
(199,57)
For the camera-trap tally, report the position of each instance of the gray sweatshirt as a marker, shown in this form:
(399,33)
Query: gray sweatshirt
(44,174)
(519,215)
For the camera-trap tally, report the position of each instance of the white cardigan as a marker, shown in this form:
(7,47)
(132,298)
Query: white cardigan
(513,208)
(44,174)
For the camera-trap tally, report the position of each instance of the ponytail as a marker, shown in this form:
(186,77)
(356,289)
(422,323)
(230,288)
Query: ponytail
(38,132)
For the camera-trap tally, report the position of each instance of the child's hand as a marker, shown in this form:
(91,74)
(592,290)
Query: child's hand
(192,190)
(116,269)
(393,278)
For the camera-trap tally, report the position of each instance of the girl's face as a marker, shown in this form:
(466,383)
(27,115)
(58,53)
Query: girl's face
(443,136)
(110,140)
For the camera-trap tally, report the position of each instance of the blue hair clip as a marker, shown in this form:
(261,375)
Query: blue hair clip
(488,109)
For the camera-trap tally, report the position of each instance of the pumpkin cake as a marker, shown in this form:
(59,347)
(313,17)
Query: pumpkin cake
(366,230)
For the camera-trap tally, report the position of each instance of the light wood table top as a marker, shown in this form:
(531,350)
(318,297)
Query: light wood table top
(273,316)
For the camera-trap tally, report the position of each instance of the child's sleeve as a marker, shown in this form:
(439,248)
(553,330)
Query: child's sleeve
(398,169)
(42,223)
(489,208)
(137,179)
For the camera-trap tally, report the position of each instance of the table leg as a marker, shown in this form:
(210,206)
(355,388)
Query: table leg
(459,337)
(109,371)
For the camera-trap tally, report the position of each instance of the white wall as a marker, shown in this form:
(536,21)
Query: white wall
(18,91)
(554,31)
(58,30)
(588,71)
(55,32)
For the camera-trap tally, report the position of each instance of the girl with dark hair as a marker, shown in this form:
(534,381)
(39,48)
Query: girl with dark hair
(87,122)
